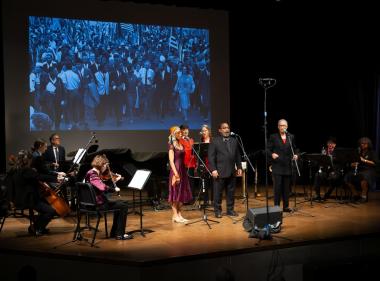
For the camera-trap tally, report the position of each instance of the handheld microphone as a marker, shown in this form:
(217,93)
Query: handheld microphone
(201,133)
(233,134)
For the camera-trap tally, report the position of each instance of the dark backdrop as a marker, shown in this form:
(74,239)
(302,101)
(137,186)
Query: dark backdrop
(325,59)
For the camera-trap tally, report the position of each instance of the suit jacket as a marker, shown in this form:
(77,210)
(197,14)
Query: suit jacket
(283,164)
(222,159)
(39,164)
(26,191)
(49,155)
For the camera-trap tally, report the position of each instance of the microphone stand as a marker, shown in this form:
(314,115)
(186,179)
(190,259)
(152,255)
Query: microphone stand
(293,154)
(246,158)
(78,232)
(295,209)
(203,206)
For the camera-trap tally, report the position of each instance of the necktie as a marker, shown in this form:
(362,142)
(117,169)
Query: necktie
(228,144)
(56,154)
(146,76)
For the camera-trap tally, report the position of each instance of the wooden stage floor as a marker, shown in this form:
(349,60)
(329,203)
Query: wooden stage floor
(174,242)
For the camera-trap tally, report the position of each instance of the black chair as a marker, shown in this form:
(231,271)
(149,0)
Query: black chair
(3,213)
(86,204)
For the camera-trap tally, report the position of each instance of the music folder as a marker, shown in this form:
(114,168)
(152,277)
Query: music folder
(139,179)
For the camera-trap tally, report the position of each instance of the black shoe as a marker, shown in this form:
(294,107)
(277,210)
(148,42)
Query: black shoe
(218,215)
(232,213)
(31,230)
(45,231)
(287,210)
(125,236)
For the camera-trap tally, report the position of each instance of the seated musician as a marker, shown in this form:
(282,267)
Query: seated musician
(329,175)
(26,193)
(55,160)
(38,161)
(94,176)
(55,155)
(363,176)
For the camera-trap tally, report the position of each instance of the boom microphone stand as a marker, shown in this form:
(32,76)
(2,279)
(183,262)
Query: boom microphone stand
(266,83)
(74,166)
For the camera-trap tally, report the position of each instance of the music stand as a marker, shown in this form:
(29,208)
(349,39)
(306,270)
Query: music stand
(319,160)
(346,155)
(202,171)
(342,156)
(138,182)
(200,151)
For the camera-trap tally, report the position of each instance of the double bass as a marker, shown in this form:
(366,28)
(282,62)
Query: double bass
(57,202)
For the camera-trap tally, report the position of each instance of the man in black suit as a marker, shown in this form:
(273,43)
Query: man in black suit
(55,155)
(55,159)
(279,148)
(224,156)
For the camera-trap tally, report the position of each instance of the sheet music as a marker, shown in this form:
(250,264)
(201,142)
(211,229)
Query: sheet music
(139,179)
(78,157)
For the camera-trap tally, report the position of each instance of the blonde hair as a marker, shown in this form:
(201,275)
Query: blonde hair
(99,161)
(172,139)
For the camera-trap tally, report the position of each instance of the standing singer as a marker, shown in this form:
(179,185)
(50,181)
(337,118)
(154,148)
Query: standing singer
(279,148)
(223,156)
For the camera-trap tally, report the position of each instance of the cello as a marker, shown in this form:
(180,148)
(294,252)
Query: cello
(57,202)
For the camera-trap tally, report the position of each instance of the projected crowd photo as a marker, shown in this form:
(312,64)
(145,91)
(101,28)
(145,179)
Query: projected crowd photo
(96,75)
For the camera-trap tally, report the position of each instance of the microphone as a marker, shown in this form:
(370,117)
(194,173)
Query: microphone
(286,131)
(267,80)
(94,137)
(201,133)
(232,134)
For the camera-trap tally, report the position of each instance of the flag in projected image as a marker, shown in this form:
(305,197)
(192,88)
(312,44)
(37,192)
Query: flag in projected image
(173,42)
(127,27)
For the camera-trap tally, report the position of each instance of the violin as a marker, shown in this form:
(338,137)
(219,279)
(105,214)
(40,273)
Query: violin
(108,175)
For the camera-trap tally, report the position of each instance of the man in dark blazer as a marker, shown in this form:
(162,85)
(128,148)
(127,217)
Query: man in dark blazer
(55,155)
(279,149)
(224,158)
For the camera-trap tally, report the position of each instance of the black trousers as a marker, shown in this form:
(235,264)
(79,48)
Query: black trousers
(119,217)
(229,185)
(281,186)
(45,214)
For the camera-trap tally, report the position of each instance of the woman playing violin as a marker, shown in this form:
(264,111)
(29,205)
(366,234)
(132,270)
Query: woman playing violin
(94,176)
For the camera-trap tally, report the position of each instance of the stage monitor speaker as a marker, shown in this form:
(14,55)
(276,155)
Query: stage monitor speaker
(256,219)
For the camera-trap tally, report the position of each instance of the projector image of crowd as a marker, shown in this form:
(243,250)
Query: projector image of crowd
(88,75)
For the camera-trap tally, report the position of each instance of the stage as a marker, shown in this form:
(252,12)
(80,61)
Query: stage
(315,233)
